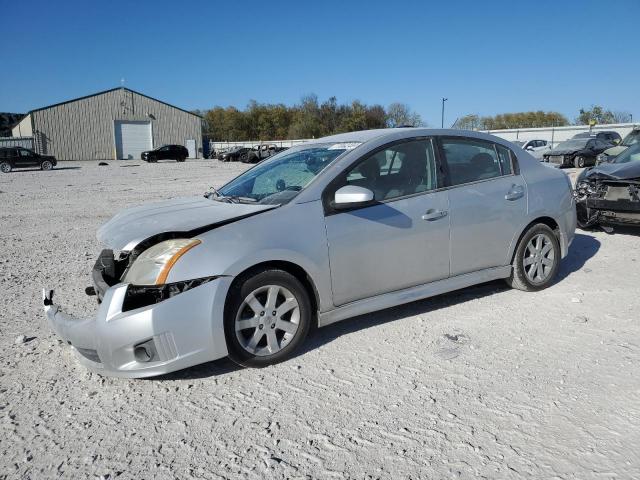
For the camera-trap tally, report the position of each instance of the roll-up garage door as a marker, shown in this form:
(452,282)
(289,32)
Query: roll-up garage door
(132,138)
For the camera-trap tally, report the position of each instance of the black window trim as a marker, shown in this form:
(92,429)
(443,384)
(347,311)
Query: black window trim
(329,191)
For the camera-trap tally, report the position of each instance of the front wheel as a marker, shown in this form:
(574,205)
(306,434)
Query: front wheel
(5,167)
(578,162)
(267,317)
(537,259)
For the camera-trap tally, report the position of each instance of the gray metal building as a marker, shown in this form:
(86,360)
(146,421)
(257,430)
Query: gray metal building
(115,124)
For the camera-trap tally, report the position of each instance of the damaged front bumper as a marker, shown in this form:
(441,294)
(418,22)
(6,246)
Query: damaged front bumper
(175,333)
(608,203)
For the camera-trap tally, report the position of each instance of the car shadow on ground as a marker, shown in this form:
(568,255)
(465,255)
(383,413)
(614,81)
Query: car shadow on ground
(38,169)
(582,249)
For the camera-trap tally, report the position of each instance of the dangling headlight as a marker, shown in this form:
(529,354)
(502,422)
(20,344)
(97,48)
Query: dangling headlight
(152,266)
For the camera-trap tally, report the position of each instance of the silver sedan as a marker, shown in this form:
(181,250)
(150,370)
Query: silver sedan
(337,227)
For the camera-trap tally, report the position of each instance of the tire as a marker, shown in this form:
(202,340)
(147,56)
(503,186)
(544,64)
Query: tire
(578,162)
(260,343)
(5,167)
(526,277)
(46,165)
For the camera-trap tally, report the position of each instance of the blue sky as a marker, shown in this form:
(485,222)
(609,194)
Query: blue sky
(486,56)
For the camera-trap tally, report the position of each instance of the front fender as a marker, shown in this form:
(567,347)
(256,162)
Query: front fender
(293,233)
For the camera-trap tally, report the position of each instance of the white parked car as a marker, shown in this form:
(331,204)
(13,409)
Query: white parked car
(535,147)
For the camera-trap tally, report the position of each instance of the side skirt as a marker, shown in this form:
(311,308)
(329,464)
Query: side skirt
(408,295)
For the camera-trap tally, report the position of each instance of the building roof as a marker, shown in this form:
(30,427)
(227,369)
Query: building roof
(112,90)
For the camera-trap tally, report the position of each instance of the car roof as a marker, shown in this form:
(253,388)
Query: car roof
(391,134)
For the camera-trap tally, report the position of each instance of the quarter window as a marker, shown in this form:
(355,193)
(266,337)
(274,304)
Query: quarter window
(472,160)
(504,157)
(397,171)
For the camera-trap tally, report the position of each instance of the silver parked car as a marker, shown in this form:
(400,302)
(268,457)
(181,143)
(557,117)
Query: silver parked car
(337,227)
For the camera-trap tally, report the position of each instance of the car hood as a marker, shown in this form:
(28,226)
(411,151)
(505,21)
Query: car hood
(187,216)
(613,151)
(561,151)
(614,171)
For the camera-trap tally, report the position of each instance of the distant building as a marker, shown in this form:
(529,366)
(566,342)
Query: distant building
(115,124)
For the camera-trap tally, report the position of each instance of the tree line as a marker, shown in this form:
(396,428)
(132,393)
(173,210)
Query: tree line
(307,119)
(596,113)
(311,118)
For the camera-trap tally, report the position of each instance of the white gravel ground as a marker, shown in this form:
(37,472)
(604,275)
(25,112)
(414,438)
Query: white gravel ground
(485,382)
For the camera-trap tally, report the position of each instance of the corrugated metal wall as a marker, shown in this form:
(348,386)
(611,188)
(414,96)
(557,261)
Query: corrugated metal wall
(26,142)
(84,129)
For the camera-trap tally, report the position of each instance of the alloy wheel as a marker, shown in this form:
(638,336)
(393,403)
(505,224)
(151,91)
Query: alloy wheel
(539,258)
(267,320)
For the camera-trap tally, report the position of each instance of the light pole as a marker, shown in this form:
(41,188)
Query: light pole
(442,119)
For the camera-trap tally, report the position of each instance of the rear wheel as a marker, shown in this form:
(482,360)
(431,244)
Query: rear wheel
(536,261)
(5,167)
(579,162)
(46,165)
(267,317)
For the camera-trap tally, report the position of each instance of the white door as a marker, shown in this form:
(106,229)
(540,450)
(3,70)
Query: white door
(132,138)
(191,148)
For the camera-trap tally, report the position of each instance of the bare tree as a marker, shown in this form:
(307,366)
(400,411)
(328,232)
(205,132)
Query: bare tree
(399,114)
(621,117)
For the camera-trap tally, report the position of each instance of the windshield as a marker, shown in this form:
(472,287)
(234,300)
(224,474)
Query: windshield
(631,139)
(575,143)
(631,154)
(280,178)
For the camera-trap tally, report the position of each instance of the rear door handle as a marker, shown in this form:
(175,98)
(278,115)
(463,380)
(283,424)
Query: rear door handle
(433,214)
(516,192)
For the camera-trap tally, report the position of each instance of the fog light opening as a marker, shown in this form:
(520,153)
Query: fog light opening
(144,352)
(141,354)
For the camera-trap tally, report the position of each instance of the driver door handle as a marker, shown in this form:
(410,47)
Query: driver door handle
(433,214)
(516,192)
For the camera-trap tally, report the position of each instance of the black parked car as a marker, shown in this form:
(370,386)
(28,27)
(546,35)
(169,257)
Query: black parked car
(20,157)
(610,137)
(235,154)
(579,152)
(166,152)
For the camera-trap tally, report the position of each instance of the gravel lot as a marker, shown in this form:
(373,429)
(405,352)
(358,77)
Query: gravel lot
(487,381)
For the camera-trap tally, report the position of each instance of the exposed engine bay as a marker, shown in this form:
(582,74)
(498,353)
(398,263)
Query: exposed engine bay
(608,196)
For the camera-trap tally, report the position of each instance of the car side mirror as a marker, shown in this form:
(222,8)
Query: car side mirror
(529,147)
(351,196)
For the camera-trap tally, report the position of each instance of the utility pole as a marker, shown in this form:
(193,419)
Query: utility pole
(442,119)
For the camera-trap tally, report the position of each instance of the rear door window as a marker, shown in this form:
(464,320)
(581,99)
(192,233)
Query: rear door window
(470,160)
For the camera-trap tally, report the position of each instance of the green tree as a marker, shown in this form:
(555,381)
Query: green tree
(597,114)
(307,119)
(512,120)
